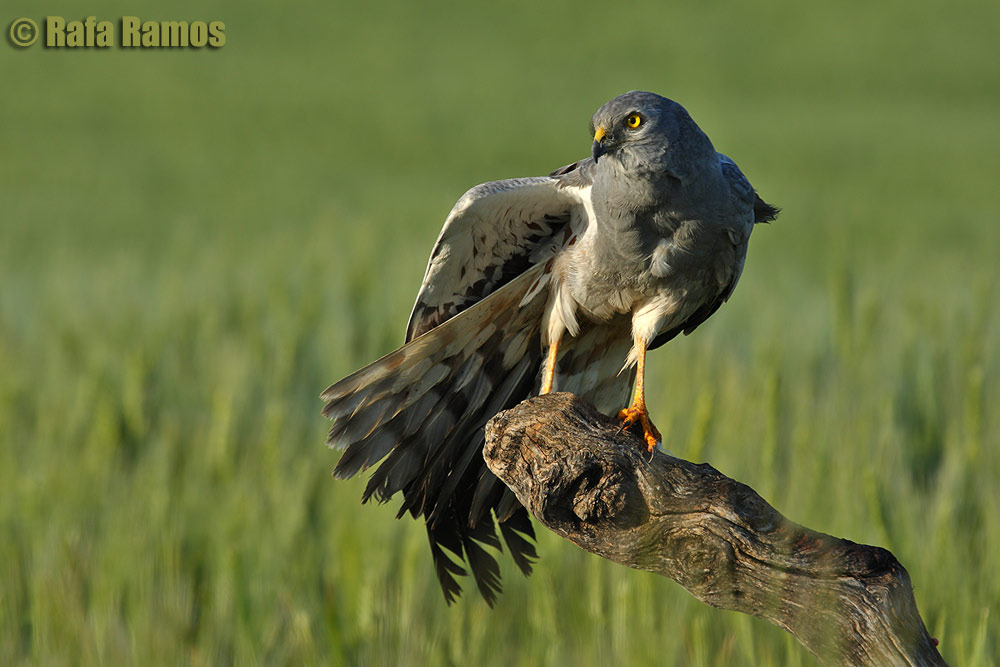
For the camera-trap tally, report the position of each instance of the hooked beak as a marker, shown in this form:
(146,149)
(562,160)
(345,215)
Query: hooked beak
(598,148)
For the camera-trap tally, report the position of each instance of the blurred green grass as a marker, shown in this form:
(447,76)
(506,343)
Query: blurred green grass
(194,244)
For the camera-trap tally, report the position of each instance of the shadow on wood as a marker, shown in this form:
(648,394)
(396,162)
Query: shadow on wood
(847,603)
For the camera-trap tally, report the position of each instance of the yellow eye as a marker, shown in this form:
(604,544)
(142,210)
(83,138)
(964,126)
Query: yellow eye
(633,121)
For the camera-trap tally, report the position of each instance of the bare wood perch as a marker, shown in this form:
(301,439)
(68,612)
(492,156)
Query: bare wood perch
(847,603)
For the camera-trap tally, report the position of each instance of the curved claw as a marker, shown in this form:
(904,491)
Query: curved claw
(635,414)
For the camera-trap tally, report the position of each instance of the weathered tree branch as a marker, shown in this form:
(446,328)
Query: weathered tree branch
(847,603)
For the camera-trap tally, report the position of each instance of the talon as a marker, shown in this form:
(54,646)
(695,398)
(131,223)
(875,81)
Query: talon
(636,414)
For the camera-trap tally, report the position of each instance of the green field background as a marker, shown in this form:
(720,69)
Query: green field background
(194,243)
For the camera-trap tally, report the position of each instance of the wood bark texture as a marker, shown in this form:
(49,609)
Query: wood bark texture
(847,603)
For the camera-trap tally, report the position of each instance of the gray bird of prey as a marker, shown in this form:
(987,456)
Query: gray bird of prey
(561,282)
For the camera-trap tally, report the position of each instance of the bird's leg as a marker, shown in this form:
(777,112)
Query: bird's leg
(550,368)
(637,412)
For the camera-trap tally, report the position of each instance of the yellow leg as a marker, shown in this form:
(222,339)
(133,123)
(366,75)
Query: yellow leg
(637,412)
(550,368)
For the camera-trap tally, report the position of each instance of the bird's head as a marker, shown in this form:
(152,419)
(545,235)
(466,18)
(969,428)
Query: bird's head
(644,132)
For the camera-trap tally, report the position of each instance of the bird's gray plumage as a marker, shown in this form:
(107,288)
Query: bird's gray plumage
(639,242)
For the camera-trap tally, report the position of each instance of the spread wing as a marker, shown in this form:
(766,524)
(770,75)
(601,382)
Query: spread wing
(494,233)
(473,348)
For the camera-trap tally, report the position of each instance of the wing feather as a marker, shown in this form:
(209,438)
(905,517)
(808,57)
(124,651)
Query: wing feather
(494,233)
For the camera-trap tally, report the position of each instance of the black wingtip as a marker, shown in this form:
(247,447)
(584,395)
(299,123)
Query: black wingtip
(518,534)
(447,570)
(762,211)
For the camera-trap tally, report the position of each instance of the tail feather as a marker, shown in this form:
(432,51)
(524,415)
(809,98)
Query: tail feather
(589,366)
